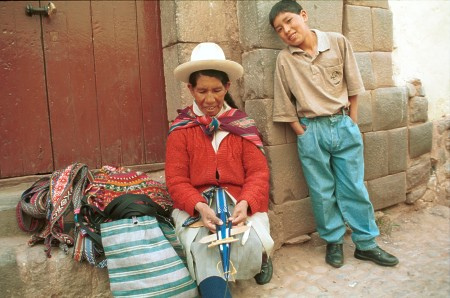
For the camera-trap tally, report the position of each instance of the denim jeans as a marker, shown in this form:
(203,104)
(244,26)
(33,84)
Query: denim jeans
(331,153)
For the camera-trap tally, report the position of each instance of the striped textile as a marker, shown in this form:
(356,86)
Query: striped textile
(234,121)
(142,262)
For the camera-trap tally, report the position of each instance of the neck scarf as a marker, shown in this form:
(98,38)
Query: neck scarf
(233,120)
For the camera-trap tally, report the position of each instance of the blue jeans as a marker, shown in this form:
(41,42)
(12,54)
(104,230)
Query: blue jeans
(331,153)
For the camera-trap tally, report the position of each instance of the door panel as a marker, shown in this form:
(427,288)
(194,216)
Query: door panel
(25,146)
(84,85)
(154,107)
(117,76)
(70,71)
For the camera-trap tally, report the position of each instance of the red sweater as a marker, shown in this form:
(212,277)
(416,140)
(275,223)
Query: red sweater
(191,165)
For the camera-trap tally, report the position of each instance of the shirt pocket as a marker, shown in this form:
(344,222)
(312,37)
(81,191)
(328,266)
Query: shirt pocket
(332,69)
(334,74)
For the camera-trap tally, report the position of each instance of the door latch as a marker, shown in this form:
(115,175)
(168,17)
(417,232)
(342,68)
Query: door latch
(48,10)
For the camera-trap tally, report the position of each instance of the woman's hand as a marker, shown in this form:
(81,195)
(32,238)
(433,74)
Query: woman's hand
(208,216)
(240,213)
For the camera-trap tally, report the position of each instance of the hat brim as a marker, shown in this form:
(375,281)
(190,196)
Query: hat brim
(233,69)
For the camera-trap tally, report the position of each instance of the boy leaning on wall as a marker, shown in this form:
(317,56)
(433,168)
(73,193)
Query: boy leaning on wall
(316,85)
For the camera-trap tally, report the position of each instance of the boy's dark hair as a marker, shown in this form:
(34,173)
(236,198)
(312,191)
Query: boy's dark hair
(284,6)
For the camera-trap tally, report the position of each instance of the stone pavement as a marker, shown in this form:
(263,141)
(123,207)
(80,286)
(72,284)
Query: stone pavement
(420,239)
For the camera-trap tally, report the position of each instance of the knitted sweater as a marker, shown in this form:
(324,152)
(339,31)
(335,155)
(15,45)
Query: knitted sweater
(192,166)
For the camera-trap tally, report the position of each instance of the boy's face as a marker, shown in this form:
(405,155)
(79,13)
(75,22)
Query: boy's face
(291,27)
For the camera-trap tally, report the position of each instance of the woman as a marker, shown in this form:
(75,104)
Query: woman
(213,144)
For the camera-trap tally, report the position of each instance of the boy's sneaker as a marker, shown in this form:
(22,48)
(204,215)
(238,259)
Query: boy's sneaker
(265,275)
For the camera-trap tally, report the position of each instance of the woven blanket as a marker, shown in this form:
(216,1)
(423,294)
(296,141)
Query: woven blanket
(112,182)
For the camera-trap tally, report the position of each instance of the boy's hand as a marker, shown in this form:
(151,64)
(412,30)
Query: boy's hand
(353,108)
(298,128)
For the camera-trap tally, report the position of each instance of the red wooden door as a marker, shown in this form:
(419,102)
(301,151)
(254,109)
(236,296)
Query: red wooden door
(89,81)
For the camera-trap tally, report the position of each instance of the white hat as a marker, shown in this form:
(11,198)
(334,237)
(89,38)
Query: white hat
(208,55)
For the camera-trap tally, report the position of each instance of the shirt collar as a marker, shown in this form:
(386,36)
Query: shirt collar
(323,43)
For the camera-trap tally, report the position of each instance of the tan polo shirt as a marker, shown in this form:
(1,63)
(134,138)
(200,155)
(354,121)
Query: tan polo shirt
(306,86)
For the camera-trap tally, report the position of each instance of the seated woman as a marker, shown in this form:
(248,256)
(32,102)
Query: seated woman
(212,144)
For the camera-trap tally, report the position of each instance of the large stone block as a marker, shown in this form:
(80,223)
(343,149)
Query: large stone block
(319,11)
(11,193)
(370,3)
(255,29)
(273,133)
(177,93)
(366,70)
(287,180)
(418,109)
(259,68)
(296,219)
(415,194)
(417,85)
(442,125)
(358,27)
(8,224)
(389,108)
(199,21)
(59,275)
(387,191)
(382,68)
(419,172)
(420,139)
(172,57)
(291,137)
(376,162)
(27,272)
(365,112)
(441,149)
(168,19)
(276,229)
(398,150)
(412,91)
(382,23)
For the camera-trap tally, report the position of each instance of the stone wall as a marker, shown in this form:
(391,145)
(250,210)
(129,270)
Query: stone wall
(393,119)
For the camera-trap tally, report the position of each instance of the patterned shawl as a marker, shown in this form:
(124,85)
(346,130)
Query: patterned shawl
(234,121)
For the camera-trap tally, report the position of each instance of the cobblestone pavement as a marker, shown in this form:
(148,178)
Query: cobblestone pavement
(420,239)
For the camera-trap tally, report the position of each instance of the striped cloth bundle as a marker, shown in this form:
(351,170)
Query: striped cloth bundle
(142,262)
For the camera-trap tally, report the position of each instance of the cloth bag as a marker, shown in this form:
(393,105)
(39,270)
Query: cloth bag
(142,262)
(102,202)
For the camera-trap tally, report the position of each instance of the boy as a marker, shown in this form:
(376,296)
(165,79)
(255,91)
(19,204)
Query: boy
(316,86)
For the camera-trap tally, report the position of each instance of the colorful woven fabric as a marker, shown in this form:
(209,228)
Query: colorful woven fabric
(112,182)
(32,207)
(65,193)
(234,121)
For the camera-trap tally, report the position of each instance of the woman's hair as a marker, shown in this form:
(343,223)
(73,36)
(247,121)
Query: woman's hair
(220,75)
(284,6)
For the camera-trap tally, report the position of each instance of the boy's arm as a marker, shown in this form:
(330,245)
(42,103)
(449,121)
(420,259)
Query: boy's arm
(352,74)
(284,110)
(353,108)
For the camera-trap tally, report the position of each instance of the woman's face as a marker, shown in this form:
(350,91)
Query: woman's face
(209,94)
